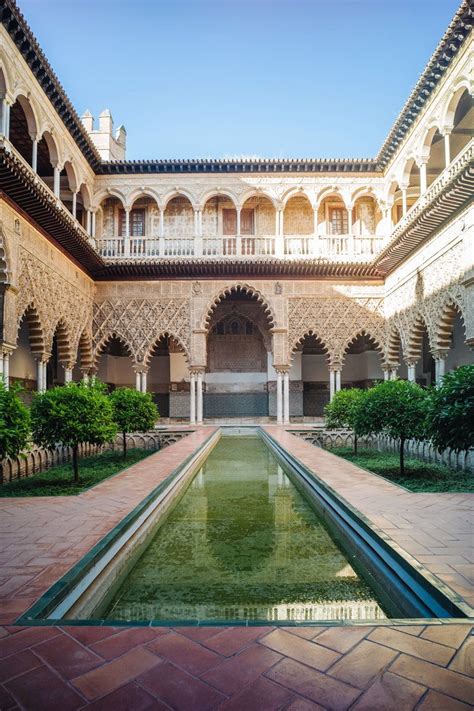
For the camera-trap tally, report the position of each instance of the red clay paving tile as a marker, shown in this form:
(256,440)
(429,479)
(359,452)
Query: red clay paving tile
(418,647)
(300,704)
(25,639)
(234,640)
(115,646)
(390,693)
(242,669)
(128,698)
(304,632)
(330,693)
(451,635)
(6,700)
(199,634)
(364,662)
(258,696)
(434,701)
(42,689)
(18,664)
(448,682)
(185,653)
(180,690)
(67,656)
(309,653)
(463,661)
(342,639)
(89,635)
(110,676)
(414,630)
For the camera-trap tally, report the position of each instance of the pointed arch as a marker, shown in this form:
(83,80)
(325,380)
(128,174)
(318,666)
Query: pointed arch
(165,335)
(227,292)
(444,328)
(300,341)
(394,344)
(36,334)
(374,341)
(415,338)
(84,350)
(105,340)
(63,340)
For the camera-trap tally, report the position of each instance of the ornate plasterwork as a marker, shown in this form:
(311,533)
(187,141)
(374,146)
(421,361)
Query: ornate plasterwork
(335,321)
(424,299)
(139,323)
(54,299)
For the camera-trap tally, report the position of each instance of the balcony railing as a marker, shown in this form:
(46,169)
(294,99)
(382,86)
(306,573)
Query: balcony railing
(343,247)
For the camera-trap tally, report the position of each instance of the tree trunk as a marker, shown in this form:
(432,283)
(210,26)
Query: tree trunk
(1,471)
(124,440)
(355,443)
(75,467)
(402,456)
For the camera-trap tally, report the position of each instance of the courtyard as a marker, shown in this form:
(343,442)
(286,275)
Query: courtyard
(237,393)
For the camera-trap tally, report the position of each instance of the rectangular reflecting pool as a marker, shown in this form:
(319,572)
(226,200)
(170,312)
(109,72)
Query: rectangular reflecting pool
(242,543)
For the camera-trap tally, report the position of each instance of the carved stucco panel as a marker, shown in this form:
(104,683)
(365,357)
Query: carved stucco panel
(140,322)
(54,298)
(335,321)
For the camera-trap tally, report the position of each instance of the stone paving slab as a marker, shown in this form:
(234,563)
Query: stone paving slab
(399,667)
(435,529)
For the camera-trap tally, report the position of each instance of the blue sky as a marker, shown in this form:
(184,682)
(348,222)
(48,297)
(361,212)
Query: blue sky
(215,78)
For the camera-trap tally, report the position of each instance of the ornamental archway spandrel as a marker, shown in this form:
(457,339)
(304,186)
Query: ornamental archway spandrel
(140,321)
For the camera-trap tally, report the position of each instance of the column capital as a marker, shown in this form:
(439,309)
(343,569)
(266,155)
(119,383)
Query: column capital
(440,353)
(411,362)
(67,364)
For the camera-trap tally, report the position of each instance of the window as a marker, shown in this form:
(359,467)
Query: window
(247,222)
(338,220)
(137,223)
(249,328)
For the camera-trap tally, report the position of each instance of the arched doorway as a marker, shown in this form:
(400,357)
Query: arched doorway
(114,364)
(238,358)
(167,377)
(362,363)
(310,361)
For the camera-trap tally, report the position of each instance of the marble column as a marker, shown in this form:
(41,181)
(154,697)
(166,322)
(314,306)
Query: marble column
(332,384)
(192,398)
(286,397)
(411,366)
(199,403)
(279,397)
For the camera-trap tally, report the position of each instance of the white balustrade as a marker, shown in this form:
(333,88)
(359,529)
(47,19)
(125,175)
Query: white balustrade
(178,247)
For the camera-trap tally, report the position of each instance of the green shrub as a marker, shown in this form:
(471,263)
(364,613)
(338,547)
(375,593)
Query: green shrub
(450,416)
(340,412)
(14,425)
(72,415)
(397,408)
(133,411)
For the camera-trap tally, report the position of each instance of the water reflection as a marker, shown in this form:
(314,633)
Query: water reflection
(243,544)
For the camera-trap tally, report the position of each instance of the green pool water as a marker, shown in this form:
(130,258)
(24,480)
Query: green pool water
(243,543)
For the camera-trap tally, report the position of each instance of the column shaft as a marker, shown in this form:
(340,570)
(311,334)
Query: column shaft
(6,370)
(199,407)
(192,399)
(144,381)
(447,150)
(411,372)
(332,384)
(57,182)
(34,155)
(279,398)
(338,380)
(286,397)
(138,381)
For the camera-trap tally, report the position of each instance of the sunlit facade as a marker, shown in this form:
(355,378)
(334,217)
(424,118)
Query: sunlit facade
(233,288)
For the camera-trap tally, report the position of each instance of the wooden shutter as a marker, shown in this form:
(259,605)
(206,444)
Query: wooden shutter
(229,221)
(247,224)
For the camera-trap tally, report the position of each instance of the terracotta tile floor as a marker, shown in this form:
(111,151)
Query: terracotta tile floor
(294,668)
